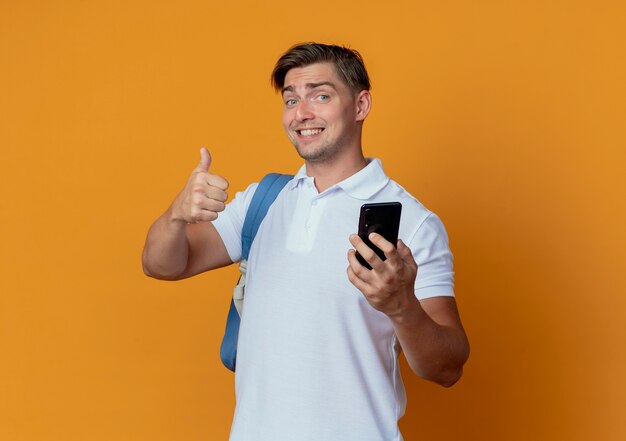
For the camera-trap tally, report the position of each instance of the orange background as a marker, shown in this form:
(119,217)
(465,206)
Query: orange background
(505,118)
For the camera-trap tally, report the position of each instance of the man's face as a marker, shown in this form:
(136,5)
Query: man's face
(320,113)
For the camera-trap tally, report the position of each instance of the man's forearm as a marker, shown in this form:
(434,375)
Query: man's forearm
(435,352)
(166,250)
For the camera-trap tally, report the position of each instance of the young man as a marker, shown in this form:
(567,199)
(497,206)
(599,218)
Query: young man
(321,334)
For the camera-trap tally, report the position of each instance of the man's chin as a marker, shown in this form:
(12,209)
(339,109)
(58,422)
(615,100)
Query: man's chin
(312,154)
(317,151)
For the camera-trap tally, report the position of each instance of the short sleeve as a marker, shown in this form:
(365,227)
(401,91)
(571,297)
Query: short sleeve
(435,275)
(229,222)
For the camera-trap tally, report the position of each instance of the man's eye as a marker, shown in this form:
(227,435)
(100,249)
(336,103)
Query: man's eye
(290,102)
(323,97)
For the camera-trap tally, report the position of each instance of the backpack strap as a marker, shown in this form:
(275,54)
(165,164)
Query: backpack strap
(264,196)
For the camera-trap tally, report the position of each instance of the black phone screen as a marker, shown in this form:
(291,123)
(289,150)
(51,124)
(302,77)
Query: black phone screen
(382,218)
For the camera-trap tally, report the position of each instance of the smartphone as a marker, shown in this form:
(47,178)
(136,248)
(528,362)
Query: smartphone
(382,218)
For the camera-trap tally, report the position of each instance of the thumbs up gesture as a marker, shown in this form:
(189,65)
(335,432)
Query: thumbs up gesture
(204,195)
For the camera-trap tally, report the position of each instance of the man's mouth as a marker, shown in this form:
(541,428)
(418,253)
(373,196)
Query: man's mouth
(309,132)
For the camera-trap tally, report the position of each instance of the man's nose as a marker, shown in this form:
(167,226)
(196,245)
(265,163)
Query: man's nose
(304,111)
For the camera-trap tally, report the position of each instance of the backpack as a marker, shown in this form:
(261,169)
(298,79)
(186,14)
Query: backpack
(264,196)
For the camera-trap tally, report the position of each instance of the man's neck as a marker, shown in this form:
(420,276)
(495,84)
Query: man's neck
(328,173)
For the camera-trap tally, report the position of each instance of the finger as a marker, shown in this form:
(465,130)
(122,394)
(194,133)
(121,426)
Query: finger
(213,205)
(366,252)
(201,201)
(356,281)
(216,194)
(358,269)
(205,161)
(201,215)
(387,247)
(406,254)
(217,181)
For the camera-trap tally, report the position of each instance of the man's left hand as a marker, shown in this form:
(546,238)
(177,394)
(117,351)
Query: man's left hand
(389,285)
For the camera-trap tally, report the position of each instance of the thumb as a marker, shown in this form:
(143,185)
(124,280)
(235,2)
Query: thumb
(205,161)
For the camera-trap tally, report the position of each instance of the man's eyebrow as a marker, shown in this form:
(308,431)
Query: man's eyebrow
(323,83)
(310,86)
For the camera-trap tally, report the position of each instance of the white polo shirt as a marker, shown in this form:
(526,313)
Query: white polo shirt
(315,361)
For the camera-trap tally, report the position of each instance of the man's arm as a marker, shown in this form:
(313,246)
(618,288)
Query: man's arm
(183,242)
(430,331)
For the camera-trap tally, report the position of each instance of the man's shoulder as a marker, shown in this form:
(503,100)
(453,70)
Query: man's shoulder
(401,194)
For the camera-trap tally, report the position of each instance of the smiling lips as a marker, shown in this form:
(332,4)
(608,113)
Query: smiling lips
(309,132)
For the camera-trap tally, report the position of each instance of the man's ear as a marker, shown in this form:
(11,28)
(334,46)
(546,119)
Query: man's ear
(363,104)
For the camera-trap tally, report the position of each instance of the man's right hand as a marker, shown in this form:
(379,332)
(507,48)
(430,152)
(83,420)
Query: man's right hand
(204,195)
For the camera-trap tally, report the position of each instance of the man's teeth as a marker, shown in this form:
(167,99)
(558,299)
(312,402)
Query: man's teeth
(310,132)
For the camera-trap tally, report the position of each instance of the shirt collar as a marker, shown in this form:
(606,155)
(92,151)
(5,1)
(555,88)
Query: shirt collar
(362,185)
